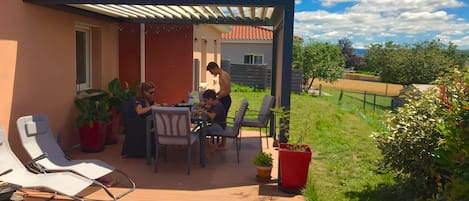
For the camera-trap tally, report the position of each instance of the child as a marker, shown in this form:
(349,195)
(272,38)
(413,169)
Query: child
(217,113)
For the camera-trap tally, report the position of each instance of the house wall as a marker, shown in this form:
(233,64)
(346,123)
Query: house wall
(37,62)
(168,58)
(207,49)
(235,51)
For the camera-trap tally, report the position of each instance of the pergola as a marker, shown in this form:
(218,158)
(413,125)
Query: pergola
(275,13)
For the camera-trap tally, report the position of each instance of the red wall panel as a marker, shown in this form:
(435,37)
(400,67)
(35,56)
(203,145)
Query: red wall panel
(129,52)
(169,60)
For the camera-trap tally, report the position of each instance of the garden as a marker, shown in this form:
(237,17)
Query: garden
(419,152)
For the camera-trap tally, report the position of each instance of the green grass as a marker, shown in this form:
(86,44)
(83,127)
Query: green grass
(344,159)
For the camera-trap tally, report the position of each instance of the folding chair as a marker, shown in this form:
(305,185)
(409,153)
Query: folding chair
(263,117)
(37,139)
(233,131)
(14,172)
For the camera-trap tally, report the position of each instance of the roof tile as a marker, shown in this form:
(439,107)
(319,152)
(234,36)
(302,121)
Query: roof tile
(248,33)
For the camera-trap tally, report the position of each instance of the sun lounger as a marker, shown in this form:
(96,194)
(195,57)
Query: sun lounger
(14,172)
(37,139)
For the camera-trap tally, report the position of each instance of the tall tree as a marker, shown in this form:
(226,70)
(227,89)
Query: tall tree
(320,60)
(348,52)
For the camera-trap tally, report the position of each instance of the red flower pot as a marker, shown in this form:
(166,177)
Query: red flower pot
(294,167)
(92,138)
(112,130)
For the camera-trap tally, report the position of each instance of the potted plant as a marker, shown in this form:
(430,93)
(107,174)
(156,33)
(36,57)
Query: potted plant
(294,156)
(92,120)
(117,93)
(263,163)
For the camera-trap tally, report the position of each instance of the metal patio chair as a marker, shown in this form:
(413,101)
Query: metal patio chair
(37,139)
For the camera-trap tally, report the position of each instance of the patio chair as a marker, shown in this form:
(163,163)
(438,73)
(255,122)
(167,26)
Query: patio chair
(14,172)
(173,127)
(234,130)
(262,119)
(136,142)
(37,139)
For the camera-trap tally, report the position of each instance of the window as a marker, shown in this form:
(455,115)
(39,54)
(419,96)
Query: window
(83,54)
(253,59)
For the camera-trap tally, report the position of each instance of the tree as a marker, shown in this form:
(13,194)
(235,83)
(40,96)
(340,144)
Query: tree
(347,51)
(406,64)
(320,60)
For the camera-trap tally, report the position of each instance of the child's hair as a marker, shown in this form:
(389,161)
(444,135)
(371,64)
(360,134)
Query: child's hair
(209,93)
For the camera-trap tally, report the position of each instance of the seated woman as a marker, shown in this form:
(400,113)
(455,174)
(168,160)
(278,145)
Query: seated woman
(144,99)
(135,124)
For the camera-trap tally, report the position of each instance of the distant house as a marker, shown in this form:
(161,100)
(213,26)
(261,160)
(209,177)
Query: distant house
(247,45)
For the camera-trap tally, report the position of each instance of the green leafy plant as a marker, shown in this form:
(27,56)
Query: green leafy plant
(426,140)
(117,92)
(296,139)
(92,109)
(263,159)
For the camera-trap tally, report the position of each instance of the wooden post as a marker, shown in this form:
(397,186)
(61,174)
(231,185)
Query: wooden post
(374,102)
(364,100)
(386,92)
(341,94)
(320,89)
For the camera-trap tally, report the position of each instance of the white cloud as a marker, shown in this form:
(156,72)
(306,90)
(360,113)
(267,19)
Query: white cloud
(385,20)
(297,2)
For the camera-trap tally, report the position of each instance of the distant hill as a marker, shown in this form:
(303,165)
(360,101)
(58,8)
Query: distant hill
(360,52)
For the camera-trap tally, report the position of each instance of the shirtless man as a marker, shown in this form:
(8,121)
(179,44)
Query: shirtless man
(223,95)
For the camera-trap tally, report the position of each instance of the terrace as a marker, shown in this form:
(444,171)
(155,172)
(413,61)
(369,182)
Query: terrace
(221,179)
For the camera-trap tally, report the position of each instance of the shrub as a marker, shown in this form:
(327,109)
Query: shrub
(425,140)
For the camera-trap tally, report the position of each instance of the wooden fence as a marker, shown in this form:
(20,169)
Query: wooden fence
(259,76)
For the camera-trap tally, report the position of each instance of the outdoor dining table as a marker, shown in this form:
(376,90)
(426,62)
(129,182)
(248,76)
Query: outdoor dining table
(200,121)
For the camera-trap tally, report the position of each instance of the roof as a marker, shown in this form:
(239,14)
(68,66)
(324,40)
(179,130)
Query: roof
(248,33)
(265,12)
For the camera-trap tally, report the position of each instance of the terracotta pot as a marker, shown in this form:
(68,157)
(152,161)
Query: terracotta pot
(92,138)
(112,130)
(294,167)
(263,173)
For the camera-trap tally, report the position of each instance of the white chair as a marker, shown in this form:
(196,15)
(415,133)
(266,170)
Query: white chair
(263,117)
(37,139)
(173,127)
(14,172)
(233,131)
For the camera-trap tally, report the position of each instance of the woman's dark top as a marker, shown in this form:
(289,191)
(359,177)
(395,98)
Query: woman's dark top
(143,103)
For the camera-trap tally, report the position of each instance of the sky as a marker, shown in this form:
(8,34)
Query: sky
(366,22)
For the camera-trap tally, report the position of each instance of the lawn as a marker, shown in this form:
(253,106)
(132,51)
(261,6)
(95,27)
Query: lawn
(343,166)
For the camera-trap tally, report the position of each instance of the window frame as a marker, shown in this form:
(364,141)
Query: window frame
(88,68)
(252,58)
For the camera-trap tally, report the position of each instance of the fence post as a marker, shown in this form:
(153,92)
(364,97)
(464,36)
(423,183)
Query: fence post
(386,93)
(374,102)
(320,89)
(364,100)
(341,94)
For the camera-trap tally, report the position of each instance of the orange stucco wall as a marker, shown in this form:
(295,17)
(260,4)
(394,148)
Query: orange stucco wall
(37,65)
(207,49)
(168,58)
